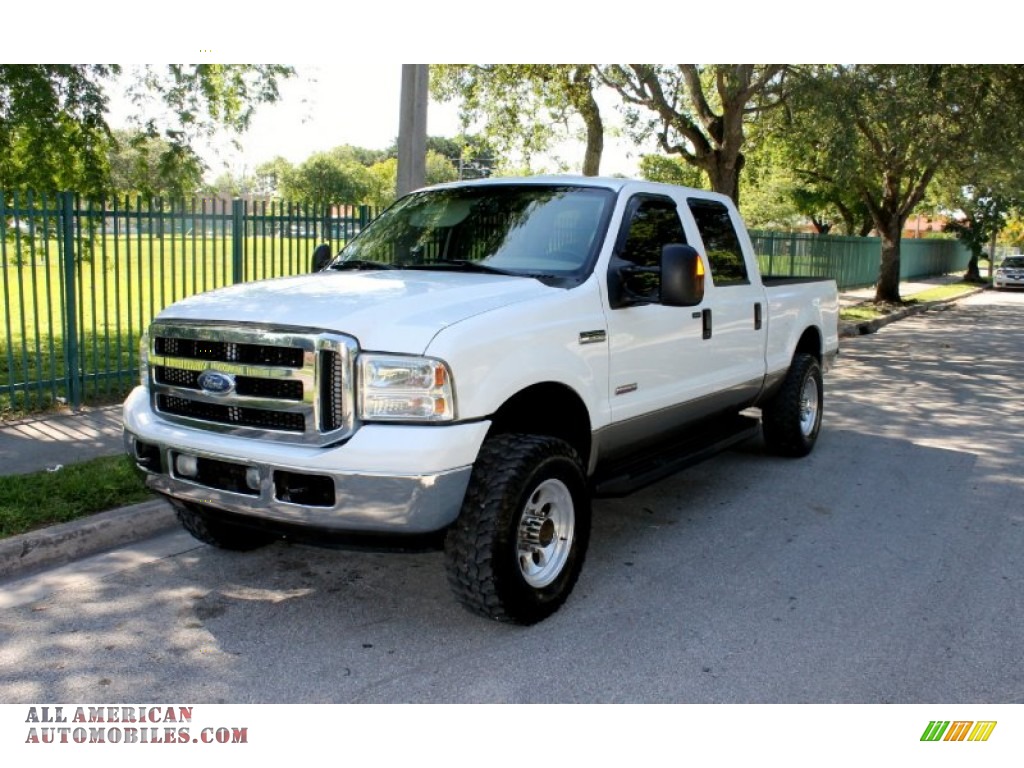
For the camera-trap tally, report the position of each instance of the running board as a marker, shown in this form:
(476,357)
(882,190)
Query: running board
(635,472)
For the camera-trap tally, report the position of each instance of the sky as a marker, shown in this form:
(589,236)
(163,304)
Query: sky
(328,104)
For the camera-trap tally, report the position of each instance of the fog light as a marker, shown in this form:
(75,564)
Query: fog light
(186,466)
(252,478)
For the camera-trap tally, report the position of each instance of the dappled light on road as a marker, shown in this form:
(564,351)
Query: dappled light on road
(888,566)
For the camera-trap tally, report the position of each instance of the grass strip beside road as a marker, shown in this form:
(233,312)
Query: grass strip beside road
(869,310)
(38,499)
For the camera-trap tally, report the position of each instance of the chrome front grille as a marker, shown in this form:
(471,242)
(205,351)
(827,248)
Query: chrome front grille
(253,381)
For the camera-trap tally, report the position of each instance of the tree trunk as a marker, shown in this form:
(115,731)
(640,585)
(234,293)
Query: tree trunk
(582,97)
(888,288)
(595,138)
(724,174)
(973,274)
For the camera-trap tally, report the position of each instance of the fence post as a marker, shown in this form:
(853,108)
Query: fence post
(326,230)
(72,362)
(238,241)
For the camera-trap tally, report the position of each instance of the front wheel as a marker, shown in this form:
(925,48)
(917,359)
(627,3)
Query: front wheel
(517,548)
(792,418)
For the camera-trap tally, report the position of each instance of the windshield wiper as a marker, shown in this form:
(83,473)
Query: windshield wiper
(465,265)
(358,264)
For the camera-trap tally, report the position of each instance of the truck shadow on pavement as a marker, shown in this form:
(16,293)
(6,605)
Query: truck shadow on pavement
(728,582)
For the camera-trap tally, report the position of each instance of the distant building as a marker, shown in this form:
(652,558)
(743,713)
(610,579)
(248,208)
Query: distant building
(922,226)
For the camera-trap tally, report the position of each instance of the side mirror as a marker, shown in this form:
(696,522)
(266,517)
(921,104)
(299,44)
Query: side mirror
(682,276)
(321,257)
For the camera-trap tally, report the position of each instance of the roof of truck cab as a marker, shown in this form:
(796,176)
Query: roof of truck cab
(570,179)
(601,182)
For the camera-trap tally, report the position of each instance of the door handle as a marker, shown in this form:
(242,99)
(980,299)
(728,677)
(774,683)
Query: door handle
(757,316)
(706,323)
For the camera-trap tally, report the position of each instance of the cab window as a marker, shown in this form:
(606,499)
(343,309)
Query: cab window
(725,256)
(653,224)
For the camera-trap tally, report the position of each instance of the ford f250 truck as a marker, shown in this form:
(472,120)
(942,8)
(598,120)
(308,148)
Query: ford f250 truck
(473,368)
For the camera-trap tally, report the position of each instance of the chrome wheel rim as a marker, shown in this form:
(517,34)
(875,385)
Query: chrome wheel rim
(809,407)
(545,533)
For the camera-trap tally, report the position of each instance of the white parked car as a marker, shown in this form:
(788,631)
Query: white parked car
(1010,273)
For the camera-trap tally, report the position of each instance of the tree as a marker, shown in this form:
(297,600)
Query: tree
(471,155)
(521,104)
(1013,232)
(269,177)
(53,117)
(326,178)
(884,131)
(671,170)
(383,176)
(53,132)
(151,167)
(698,112)
(983,213)
(439,169)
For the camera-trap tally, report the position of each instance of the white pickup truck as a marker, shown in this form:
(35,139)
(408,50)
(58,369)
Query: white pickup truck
(471,369)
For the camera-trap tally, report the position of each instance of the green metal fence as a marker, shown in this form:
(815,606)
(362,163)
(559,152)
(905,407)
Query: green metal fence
(81,280)
(852,261)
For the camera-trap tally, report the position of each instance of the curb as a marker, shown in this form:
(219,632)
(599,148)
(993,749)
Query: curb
(60,544)
(848,329)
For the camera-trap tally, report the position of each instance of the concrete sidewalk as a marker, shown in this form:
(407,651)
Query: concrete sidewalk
(56,439)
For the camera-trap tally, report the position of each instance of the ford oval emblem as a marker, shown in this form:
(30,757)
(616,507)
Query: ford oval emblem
(216,383)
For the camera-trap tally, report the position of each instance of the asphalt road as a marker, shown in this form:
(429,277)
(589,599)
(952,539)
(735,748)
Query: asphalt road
(886,567)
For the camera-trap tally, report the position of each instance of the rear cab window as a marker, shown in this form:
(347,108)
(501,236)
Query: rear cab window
(721,243)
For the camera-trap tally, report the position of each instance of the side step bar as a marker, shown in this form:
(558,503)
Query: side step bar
(635,472)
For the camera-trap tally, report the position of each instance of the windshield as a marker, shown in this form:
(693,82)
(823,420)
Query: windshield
(1012,262)
(529,230)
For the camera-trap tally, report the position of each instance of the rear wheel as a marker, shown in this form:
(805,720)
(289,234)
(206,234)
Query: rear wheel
(518,546)
(792,418)
(205,526)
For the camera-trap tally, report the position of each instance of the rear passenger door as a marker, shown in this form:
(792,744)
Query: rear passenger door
(735,310)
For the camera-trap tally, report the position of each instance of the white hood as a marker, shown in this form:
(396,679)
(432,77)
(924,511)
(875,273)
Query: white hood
(388,311)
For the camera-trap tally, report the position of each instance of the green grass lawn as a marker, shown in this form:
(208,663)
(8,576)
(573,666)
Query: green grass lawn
(38,499)
(122,287)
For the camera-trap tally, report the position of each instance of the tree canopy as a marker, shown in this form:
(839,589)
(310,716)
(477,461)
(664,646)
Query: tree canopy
(848,148)
(522,105)
(54,132)
(884,131)
(699,113)
(344,174)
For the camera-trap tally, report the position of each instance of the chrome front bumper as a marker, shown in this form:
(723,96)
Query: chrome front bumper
(360,503)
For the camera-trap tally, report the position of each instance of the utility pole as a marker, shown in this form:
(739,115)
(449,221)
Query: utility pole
(412,129)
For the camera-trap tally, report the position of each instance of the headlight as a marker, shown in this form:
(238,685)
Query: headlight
(144,359)
(405,389)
